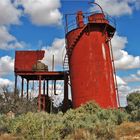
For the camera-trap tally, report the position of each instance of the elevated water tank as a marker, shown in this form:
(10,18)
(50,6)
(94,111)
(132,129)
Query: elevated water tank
(92,72)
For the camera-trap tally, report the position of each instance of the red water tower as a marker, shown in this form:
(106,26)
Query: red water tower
(91,65)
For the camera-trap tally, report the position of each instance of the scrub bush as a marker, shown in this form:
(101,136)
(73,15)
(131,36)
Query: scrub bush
(90,119)
(133,107)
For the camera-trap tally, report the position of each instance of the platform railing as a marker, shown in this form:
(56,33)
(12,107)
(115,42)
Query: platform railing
(71,24)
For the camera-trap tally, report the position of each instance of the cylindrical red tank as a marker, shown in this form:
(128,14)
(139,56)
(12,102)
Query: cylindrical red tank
(90,61)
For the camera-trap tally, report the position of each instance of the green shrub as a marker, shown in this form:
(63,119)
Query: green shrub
(133,107)
(4,124)
(93,122)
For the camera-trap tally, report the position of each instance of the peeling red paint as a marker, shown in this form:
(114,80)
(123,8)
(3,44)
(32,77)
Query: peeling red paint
(24,60)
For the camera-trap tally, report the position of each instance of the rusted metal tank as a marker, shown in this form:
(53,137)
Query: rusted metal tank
(28,61)
(92,72)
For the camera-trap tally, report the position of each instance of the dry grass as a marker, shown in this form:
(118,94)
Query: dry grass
(81,134)
(128,131)
(125,131)
(9,137)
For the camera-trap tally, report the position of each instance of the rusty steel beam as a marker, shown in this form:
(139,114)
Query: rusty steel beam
(65,105)
(40,73)
(44,87)
(43,103)
(39,96)
(15,90)
(47,90)
(55,87)
(27,90)
(22,87)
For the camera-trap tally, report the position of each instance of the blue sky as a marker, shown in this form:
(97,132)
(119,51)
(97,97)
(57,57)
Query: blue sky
(39,24)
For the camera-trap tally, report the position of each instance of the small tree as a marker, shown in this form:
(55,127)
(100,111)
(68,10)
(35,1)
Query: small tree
(10,102)
(133,107)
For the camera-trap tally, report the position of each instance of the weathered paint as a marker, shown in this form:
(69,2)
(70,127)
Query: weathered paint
(91,71)
(24,60)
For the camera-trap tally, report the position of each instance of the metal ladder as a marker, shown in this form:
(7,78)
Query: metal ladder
(114,72)
(66,63)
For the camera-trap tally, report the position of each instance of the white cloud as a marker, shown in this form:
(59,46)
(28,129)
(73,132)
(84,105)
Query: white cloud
(127,61)
(124,89)
(118,7)
(132,78)
(8,41)
(5,82)
(6,65)
(9,14)
(137,4)
(135,89)
(57,49)
(120,81)
(119,42)
(123,60)
(42,12)
(138,72)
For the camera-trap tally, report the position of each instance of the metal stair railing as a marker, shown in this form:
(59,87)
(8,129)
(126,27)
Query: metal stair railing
(70,50)
(66,63)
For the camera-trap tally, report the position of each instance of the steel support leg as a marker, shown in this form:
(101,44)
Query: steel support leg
(65,105)
(27,90)
(55,87)
(39,96)
(44,95)
(15,91)
(22,87)
(47,88)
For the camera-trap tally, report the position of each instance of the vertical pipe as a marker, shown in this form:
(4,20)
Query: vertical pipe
(51,104)
(65,105)
(15,92)
(66,29)
(47,96)
(44,87)
(44,97)
(115,79)
(54,87)
(22,87)
(33,88)
(47,88)
(39,96)
(27,90)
